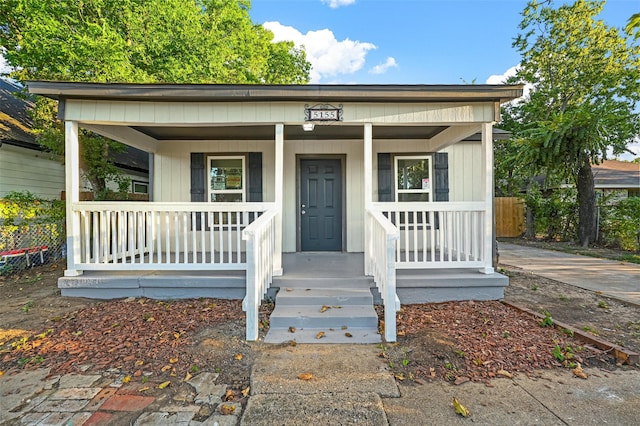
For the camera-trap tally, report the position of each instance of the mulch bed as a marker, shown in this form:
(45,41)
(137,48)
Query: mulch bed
(133,335)
(479,341)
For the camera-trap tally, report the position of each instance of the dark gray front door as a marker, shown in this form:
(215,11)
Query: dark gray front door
(320,205)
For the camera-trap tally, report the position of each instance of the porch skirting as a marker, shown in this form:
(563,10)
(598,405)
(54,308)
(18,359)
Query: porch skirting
(308,269)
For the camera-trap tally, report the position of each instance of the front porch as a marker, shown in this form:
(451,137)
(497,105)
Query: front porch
(395,180)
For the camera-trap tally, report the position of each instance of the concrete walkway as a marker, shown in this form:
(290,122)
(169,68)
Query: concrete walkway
(616,279)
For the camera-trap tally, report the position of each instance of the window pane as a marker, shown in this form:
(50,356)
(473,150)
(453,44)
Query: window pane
(413,174)
(226,198)
(226,174)
(413,196)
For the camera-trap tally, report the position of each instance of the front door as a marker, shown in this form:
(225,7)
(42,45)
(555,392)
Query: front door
(320,205)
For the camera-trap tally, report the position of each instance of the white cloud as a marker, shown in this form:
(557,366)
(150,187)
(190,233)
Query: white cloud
(328,56)
(384,67)
(334,4)
(502,78)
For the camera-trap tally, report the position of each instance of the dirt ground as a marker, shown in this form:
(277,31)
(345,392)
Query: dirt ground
(149,342)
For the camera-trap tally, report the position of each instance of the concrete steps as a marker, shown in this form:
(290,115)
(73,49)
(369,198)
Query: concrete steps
(344,315)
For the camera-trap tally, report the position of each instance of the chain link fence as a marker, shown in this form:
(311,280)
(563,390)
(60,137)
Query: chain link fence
(32,233)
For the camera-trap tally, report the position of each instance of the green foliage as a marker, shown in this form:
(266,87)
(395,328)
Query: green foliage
(137,41)
(620,224)
(585,89)
(547,321)
(554,212)
(23,207)
(633,25)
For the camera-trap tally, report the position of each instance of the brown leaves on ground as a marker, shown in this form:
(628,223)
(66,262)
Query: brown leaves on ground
(119,333)
(478,340)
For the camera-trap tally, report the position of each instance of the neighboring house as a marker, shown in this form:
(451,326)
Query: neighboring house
(266,185)
(617,179)
(26,166)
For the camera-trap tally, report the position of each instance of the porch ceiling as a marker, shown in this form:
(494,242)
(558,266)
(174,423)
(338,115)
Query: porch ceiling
(291,132)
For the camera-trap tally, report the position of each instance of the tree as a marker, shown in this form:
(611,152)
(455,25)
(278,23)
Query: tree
(585,90)
(137,41)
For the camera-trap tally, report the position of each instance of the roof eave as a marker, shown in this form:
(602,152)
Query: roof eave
(270,93)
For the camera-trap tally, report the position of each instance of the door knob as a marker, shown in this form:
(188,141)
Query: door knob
(302,212)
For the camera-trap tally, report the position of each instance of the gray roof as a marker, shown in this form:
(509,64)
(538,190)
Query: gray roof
(15,122)
(616,174)
(270,93)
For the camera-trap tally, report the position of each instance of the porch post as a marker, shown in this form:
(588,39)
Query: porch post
(279,187)
(487,186)
(72,187)
(368,190)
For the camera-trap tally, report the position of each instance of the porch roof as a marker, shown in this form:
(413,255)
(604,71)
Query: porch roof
(270,93)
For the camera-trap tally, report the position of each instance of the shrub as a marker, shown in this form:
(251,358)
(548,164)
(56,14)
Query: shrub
(620,224)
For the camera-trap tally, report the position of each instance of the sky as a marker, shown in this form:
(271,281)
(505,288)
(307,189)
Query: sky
(407,41)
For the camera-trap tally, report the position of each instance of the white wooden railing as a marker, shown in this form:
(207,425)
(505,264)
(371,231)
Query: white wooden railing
(380,263)
(437,235)
(163,236)
(260,237)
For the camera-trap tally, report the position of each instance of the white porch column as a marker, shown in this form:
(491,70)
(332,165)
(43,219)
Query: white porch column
(279,198)
(487,186)
(72,187)
(368,190)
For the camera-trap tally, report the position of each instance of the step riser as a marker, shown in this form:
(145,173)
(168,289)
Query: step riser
(325,300)
(328,322)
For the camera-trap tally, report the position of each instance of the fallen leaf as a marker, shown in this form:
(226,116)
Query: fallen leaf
(292,343)
(460,380)
(229,395)
(432,372)
(245,391)
(226,409)
(238,357)
(402,333)
(320,335)
(127,379)
(400,376)
(146,388)
(337,307)
(288,289)
(176,335)
(325,308)
(164,384)
(305,376)
(505,373)
(460,409)
(151,319)
(292,329)
(139,363)
(1,373)
(165,368)
(344,327)
(348,334)
(173,360)
(579,372)
(187,377)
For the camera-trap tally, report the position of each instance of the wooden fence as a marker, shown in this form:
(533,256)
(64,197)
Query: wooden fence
(510,219)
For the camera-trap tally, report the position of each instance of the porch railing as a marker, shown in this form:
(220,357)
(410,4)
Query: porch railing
(163,236)
(381,264)
(437,235)
(260,237)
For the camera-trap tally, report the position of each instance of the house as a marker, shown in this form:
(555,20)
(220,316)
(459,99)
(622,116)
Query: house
(294,186)
(25,165)
(619,179)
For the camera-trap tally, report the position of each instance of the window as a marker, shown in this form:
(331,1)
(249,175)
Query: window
(413,178)
(139,187)
(226,178)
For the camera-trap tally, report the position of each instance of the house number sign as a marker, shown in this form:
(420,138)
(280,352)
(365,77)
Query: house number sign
(324,112)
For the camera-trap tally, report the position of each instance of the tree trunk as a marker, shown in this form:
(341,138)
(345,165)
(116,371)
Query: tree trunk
(586,204)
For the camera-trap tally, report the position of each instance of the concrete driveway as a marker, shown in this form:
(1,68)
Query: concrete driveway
(613,278)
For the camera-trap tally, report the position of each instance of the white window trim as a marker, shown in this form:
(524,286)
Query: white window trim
(397,191)
(139,182)
(242,191)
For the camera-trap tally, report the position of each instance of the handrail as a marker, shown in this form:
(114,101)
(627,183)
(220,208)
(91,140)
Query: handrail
(260,244)
(380,258)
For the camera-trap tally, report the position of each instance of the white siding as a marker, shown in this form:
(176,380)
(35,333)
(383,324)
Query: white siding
(181,113)
(28,170)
